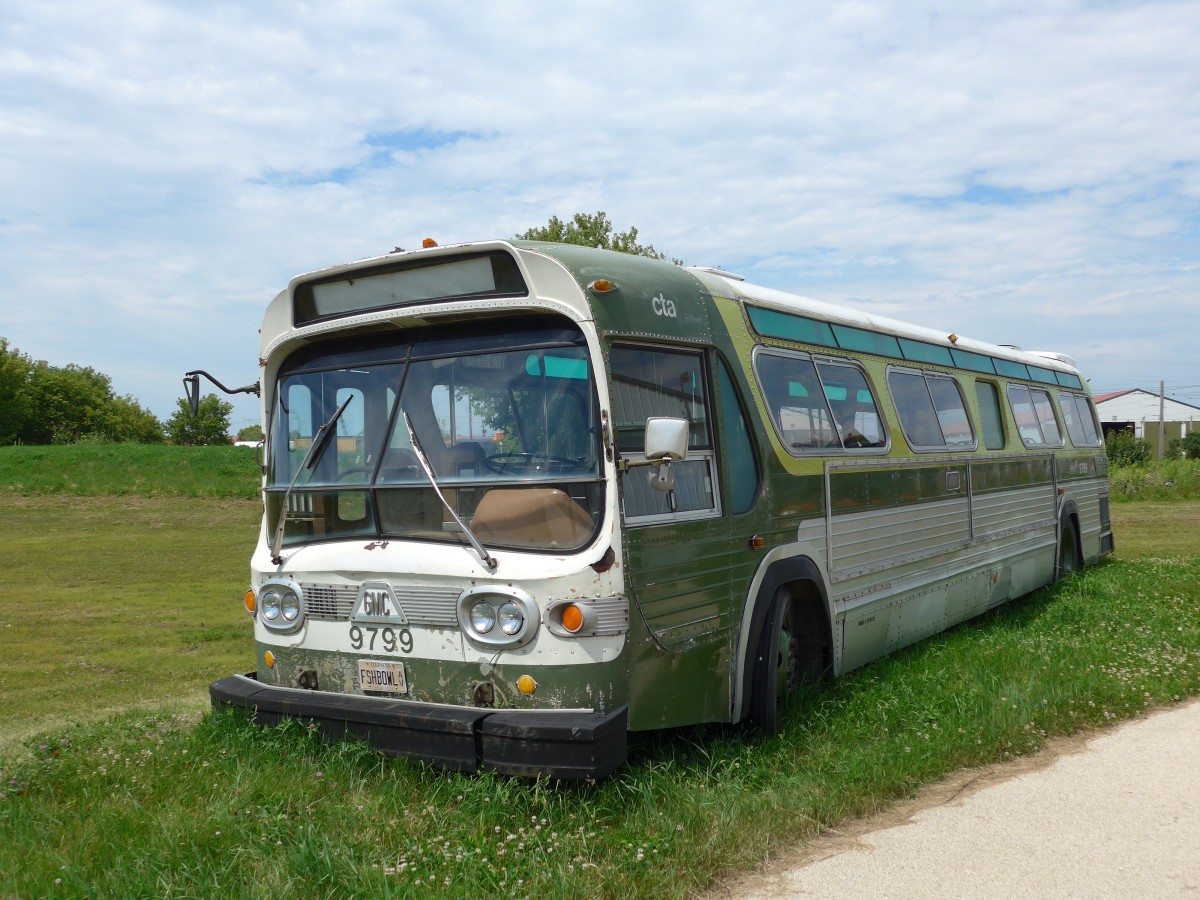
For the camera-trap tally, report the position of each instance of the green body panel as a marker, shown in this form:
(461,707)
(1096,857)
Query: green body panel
(651,299)
(1006,474)
(601,686)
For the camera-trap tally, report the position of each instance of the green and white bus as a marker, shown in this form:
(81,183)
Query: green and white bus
(524,498)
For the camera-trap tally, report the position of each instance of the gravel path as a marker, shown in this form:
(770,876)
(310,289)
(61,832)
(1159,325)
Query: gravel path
(1110,814)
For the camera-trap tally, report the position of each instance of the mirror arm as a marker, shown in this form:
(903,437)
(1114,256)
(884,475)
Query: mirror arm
(625,465)
(191,387)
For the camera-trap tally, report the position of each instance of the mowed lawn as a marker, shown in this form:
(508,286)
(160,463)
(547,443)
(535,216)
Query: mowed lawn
(114,603)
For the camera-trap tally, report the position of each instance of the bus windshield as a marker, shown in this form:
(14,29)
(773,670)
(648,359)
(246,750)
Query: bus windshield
(507,421)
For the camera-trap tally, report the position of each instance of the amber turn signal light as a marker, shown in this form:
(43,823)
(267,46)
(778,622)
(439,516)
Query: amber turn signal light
(572,618)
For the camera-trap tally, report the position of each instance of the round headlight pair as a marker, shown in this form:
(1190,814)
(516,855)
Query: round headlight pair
(495,616)
(279,605)
(484,617)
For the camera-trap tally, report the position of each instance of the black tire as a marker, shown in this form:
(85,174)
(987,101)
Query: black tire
(777,666)
(1068,550)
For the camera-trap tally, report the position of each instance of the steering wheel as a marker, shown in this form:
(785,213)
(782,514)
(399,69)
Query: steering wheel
(854,439)
(524,463)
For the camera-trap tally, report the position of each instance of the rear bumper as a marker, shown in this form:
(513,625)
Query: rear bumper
(560,744)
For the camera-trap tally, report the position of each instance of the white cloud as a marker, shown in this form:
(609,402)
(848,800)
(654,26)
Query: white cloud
(1019,172)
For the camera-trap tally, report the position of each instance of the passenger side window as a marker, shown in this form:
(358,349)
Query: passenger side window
(1081,424)
(1034,415)
(654,382)
(991,421)
(818,405)
(932,413)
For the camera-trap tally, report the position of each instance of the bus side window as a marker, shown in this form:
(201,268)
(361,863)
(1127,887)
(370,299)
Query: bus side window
(796,401)
(1035,416)
(739,450)
(991,420)
(932,412)
(653,382)
(1078,416)
(914,406)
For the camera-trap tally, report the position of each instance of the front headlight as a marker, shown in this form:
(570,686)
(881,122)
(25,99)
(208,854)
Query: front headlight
(498,617)
(511,618)
(281,605)
(271,604)
(483,617)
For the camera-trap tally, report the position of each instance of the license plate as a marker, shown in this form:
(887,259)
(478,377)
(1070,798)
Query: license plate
(375,675)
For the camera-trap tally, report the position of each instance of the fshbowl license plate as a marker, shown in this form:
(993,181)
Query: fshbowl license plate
(376,675)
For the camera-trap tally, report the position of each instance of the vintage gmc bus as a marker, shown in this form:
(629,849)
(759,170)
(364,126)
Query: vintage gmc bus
(523,498)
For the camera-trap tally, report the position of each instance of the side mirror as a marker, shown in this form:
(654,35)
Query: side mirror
(191,387)
(666,442)
(666,439)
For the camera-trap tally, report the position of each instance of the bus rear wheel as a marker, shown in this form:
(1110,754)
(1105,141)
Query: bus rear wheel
(777,666)
(1068,550)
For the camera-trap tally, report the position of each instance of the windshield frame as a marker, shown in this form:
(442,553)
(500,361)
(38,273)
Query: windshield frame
(544,357)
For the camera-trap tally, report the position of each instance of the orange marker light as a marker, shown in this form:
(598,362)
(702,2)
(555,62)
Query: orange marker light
(250,602)
(526,685)
(602,286)
(269,659)
(428,242)
(572,618)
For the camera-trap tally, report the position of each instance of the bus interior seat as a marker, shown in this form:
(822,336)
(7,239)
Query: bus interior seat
(465,458)
(531,517)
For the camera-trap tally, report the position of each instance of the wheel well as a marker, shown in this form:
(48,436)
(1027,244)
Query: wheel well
(801,579)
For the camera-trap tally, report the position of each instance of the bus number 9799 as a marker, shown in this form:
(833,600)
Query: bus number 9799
(389,639)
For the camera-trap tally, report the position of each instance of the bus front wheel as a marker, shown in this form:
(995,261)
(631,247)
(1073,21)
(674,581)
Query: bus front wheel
(777,665)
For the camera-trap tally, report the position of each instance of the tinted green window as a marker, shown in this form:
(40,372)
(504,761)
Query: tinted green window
(739,451)
(866,341)
(1011,369)
(770,323)
(990,418)
(1066,379)
(976,362)
(1045,376)
(919,351)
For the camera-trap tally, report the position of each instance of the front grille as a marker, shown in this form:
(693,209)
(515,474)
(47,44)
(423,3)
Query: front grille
(422,605)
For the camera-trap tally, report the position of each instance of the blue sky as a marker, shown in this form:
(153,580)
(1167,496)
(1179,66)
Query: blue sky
(1019,172)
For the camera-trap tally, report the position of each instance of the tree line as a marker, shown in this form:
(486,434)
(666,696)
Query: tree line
(45,404)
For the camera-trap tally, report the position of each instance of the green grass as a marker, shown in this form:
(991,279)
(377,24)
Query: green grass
(118,611)
(218,808)
(130,470)
(111,603)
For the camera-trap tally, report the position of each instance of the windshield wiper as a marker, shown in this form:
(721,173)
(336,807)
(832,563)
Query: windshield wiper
(311,458)
(488,559)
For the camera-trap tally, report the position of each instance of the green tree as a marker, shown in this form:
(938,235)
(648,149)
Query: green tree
(210,425)
(127,421)
(15,372)
(593,231)
(65,403)
(250,433)
(1191,445)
